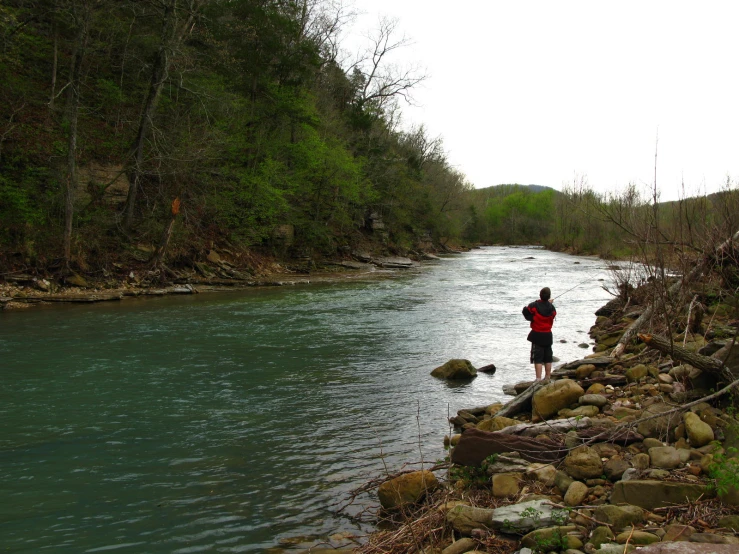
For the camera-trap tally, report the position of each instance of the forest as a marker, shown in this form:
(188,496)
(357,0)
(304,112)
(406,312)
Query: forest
(153,131)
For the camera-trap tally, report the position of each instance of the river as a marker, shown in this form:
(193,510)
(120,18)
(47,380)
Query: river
(236,422)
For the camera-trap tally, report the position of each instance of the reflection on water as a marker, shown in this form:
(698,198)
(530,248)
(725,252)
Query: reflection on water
(230,422)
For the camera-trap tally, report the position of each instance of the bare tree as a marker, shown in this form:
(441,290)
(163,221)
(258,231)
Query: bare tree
(178,17)
(81,13)
(378,81)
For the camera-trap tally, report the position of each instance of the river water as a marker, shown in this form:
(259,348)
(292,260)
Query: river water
(236,422)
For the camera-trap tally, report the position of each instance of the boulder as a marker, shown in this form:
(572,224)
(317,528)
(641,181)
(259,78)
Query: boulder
(619,516)
(463,545)
(455,370)
(583,463)
(506,485)
(406,489)
(549,399)
(527,516)
(582,411)
(659,427)
(665,457)
(729,522)
(678,532)
(596,388)
(584,370)
(601,535)
(544,473)
(551,538)
(656,494)
(562,481)
(699,432)
(637,372)
(497,423)
(614,467)
(464,518)
(636,537)
(576,493)
(593,400)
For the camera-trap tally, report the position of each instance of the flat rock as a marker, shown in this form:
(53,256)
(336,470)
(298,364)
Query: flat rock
(394,262)
(593,400)
(520,517)
(685,548)
(656,494)
(464,518)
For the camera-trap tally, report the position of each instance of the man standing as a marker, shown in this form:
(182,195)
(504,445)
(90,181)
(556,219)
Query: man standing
(541,314)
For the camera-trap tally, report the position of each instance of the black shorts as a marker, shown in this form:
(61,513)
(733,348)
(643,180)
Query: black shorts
(541,354)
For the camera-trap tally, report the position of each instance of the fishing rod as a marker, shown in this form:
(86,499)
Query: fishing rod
(577,285)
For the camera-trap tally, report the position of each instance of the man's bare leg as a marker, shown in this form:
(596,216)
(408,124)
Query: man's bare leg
(548,369)
(537,369)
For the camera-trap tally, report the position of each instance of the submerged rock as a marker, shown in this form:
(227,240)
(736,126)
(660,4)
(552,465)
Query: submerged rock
(455,370)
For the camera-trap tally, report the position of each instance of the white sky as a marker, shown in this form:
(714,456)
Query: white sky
(544,92)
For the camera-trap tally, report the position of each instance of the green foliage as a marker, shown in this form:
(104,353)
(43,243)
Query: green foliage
(724,470)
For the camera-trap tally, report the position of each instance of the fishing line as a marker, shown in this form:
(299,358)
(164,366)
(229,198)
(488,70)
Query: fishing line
(590,278)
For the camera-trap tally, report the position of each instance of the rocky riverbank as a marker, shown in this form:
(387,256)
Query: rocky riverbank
(217,272)
(614,453)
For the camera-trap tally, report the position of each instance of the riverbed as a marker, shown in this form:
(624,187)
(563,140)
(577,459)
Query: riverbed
(239,421)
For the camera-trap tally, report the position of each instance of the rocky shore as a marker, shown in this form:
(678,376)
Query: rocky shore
(613,454)
(217,272)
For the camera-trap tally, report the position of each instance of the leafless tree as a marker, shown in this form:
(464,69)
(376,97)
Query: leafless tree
(377,80)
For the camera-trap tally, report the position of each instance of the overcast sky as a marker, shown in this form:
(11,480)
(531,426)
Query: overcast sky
(542,92)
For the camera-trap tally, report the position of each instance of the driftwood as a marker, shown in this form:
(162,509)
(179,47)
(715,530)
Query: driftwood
(620,435)
(475,445)
(614,380)
(555,426)
(714,366)
(520,403)
(634,328)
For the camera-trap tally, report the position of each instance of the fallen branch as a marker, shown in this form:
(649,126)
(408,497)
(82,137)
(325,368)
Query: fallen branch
(637,325)
(521,402)
(714,366)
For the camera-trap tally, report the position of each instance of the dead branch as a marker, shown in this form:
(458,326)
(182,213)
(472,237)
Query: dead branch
(635,327)
(710,365)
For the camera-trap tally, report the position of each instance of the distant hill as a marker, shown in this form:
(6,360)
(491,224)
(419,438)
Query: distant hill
(504,190)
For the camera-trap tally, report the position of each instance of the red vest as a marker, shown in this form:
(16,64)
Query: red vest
(542,323)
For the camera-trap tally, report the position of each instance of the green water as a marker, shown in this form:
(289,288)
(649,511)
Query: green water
(234,422)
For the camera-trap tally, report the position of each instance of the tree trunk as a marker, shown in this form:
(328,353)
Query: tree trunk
(158,257)
(635,327)
(174,30)
(71,116)
(713,366)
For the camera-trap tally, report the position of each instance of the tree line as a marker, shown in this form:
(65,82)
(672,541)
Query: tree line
(180,125)
(188,123)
